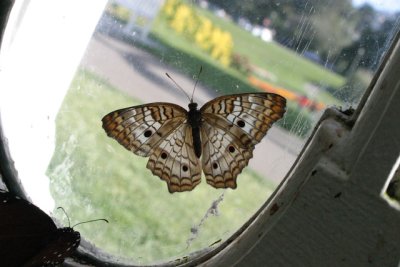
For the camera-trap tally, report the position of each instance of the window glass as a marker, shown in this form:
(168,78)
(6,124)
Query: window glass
(83,61)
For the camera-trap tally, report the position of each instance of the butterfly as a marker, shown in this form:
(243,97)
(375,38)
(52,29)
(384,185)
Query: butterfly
(29,237)
(218,139)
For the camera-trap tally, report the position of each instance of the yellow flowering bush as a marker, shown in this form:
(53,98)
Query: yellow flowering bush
(222,44)
(203,35)
(184,20)
(170,7)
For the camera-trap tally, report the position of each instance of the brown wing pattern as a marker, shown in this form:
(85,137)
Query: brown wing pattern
(140,128)
(232,126)
(174,161)
(223,156)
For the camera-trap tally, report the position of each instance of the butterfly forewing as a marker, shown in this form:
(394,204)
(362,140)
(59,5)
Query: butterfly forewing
(245,114)
(141,128)
(232,126)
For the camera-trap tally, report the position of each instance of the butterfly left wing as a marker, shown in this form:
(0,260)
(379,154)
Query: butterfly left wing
(232,125)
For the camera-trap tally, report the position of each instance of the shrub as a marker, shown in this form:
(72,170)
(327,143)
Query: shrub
(185,21)
(241,63)
(169,8)
(203,35)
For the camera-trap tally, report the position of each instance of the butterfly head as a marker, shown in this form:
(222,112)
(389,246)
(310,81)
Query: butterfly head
(192,105)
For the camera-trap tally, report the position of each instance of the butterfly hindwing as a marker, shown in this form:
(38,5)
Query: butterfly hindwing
(232,126)
(175,162)
(223,157)
(140,128)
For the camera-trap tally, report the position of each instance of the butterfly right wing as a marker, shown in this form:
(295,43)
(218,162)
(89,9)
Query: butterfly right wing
(140,128)
(232,126)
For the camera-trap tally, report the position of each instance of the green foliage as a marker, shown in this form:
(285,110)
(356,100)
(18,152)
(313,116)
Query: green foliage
(92,176)
(241,63)
(199,30)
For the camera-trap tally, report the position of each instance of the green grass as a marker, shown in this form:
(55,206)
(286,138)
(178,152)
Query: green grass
(291,71)
(92,176)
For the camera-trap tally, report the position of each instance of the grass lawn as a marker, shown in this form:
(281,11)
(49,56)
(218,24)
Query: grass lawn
(92,176)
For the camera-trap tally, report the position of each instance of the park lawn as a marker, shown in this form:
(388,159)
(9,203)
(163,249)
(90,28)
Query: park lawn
(92,176)
(292,71)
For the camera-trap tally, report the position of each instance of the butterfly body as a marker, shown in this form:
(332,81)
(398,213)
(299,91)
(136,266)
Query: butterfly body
(194,120)
(217,139)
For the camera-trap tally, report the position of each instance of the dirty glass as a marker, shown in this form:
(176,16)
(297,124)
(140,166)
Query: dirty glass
(87,60)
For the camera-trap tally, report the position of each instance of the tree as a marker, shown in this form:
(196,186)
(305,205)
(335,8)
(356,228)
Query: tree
(373,39)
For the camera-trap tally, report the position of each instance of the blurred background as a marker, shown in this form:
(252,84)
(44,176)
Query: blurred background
(90,59)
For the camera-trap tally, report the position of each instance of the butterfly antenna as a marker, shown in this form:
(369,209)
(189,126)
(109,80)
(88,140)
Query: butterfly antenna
(66,214)
(90,221)
(197,80)
(177,85)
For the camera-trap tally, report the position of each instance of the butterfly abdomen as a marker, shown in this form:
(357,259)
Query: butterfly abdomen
(194,120)
(196,141)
